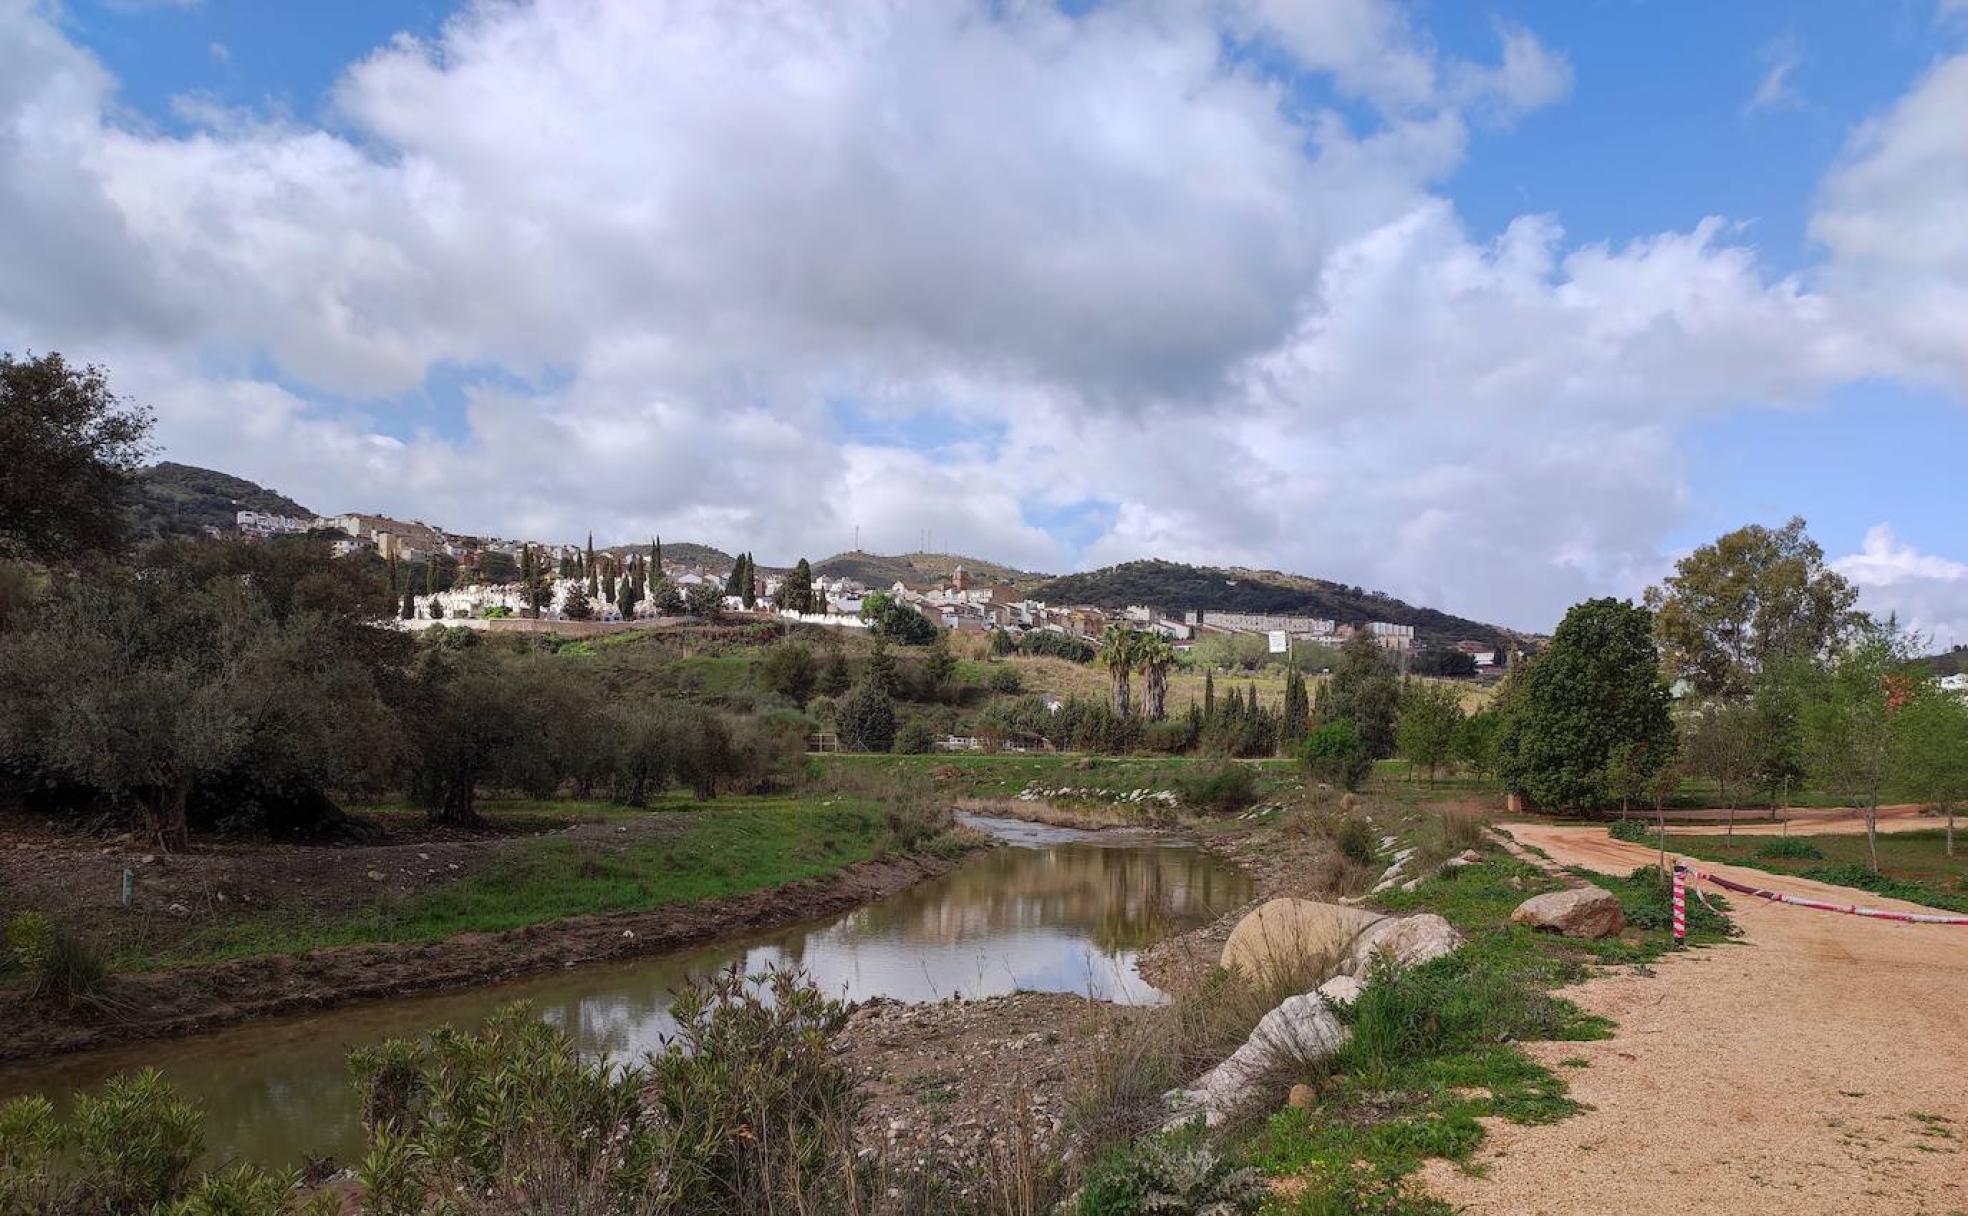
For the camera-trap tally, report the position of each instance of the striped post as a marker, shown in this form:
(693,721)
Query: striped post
(1680,904)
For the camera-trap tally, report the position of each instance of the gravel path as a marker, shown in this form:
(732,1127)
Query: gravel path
(1820,1068)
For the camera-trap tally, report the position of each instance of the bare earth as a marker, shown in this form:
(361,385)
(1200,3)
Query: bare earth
(1822,1067)
(1814,821)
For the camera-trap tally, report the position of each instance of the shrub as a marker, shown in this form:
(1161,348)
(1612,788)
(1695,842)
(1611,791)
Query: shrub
(1352,836)
(1647,898)
(1223,787)
(1004,678)
(915,738)
(865,719)
(134,1143)
(59,965)
(1789,847)
(1632,831)
(1171,1174)
(1461,831)
(1334,754)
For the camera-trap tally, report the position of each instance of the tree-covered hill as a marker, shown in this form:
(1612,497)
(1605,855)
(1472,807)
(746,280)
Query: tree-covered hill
(171,499)
(920,569)
(1176,588)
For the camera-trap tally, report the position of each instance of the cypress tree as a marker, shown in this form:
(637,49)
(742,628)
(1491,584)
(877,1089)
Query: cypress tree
(656,558)
(748,590)
(1209,693)
(799,587)
(626,601)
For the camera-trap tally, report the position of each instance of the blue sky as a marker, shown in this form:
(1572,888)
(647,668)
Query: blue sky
(1321,287)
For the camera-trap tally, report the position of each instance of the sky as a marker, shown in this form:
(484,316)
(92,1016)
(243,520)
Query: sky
(1490,307)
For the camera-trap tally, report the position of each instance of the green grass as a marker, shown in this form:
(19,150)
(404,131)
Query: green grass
(1433,1049)
(706,850)
(1004,775)
(1913,866)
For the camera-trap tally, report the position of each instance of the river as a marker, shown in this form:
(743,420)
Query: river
(1055,910)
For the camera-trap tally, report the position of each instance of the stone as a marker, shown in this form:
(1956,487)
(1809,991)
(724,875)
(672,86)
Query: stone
(1302,1030)
(1341,990)
(1302,1096)
(178,910)
(1587,912)
(375,876)
(1281,935)
(1407,941)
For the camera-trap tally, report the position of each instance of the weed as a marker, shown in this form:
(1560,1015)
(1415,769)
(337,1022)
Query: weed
(59,965)
(1790,848)
(1223,788)
(1172,1174)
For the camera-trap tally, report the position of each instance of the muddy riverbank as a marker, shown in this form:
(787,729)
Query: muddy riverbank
(162,1004)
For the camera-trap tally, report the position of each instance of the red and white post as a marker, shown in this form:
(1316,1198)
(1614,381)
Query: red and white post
(1680,904)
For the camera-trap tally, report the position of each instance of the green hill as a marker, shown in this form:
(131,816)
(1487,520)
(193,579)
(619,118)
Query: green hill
(1175,588)
(171,499)
(678,553)
(920,569)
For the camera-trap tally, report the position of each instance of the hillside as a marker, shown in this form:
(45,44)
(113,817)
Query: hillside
(1176,588)
(678,553)
(920,569)
(181,500)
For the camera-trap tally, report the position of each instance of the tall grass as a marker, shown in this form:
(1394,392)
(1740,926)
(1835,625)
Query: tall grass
(59,965)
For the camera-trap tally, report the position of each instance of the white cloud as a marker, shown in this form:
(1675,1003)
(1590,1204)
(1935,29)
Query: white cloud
(1143,280)
(1929,594)
(1893,217)
(1774,90)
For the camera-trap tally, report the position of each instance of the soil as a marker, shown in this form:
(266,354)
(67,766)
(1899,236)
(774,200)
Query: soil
(158,1004)
(974,1089)
(1815,1069)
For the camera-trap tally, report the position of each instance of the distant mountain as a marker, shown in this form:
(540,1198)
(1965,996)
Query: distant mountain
(680,553)
(183,500)
(878,570)
(1175,588)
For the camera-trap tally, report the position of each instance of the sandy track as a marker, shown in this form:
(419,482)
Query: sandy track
(1812,821)
(1820,1068)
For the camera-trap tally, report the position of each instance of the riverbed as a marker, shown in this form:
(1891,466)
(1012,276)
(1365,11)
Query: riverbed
(1054,910)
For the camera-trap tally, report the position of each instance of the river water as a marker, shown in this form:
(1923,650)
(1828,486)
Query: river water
(1056,910)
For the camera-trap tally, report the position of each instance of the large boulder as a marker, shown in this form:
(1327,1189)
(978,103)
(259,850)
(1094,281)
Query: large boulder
(1406,941)
(1302,1030)
(1281,936)
(1588,912)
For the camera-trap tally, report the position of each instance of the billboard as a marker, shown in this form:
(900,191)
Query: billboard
(1279,644)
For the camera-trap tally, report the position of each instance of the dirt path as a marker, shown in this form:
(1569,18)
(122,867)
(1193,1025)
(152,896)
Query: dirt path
(1820,1068)
(1812,821)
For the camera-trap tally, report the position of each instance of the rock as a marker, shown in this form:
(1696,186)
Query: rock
(1303,1096)
(1408,941)
(375,876)
(1577,912)
(149,859)
(178,910)
(1303,1030)
(1341,990)
(1281,935)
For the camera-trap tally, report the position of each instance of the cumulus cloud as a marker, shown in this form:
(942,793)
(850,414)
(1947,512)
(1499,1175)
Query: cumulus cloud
(699,269)
(1929,593)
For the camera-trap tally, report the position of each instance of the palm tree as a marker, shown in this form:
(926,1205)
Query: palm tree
(1154,655)
(1117,650)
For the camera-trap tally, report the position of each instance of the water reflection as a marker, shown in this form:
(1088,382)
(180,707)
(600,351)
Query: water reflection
(1058,911)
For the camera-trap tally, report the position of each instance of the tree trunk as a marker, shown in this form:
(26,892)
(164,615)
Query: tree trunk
(1872,833)
(1950,830)
(167,824)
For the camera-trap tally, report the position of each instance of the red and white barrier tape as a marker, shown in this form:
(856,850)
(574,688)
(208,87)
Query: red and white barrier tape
(1779,897)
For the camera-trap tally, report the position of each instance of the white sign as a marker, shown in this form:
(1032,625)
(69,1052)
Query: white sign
(1278,643)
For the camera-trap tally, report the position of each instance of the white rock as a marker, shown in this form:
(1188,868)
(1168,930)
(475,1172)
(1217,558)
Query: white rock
(1301,1030)
(1586,912)
(1408,941)
(1341,990)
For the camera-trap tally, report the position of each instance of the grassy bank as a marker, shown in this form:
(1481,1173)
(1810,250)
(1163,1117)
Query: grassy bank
(1006,774)
(675,852)
(1913,866)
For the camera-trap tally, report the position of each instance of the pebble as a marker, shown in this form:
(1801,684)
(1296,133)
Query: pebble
(375,876)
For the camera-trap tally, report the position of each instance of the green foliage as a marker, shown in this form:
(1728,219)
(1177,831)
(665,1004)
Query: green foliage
(1632,831)
(59,965)
(1647,897)
(1751,597)
(865,719)
(1052,644)
(134,1142)
(1004,678)
(1223,787)
(1789,848)
(833,679)
(1334,754)
(1431,717)
(72,447)
(1597,688)
(1365,690)
(916,738)
(788,669)
(1353,836)
(1171,1175)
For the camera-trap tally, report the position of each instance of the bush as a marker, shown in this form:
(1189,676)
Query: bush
(1055,645)
(1788,847)
(1632,831)
(1223,787)
(1647,898)
(915,738)
(1171,1174)
(134,1143)
(1004,678)
(59,965)
(1352,837)
(865,719)
(1334,754)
